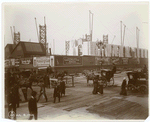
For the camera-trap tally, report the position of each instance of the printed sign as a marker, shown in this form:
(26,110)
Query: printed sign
(102,61)
(12,62)
(52,61)
(88,60)
(41,61)
(17,62)
(7,63)
(26,61)
(116,61)
(134,61)
(72,61)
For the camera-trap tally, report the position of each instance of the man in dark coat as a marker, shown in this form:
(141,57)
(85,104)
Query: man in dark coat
(46,79)
(32,105)
(95,82)
(42,90)
(123,88)
(56,92)
(62,87)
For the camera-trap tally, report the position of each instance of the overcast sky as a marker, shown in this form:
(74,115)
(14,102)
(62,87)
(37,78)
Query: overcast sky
(69,21)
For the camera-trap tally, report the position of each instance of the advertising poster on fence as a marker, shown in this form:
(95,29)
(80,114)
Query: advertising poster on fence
(26,61)
(52,61)
(102,61)
(41,61)
(134,61)
(7,63)
(88,60)
(72,61)
(116,60)
(68,60)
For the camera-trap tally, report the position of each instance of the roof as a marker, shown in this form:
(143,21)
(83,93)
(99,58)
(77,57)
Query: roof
(8,49)
(27,49)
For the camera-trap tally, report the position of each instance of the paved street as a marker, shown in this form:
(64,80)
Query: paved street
(80,103)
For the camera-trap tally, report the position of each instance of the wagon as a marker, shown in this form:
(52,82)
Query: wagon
(137,82)
(106,77)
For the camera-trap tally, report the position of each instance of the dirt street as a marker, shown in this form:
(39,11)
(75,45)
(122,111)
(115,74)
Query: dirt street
(80,103)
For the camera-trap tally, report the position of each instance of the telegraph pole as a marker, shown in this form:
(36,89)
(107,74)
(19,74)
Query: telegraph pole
(124,35)
(137,38)
(37,29)
(12,34)
(121,31)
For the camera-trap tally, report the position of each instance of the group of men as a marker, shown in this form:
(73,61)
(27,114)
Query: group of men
(98,87)
(13,83)
(59,89)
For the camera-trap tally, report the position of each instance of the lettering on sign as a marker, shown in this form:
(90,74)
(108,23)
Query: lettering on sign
(43,61)
(116,60)
(25,61)
(72,61)
(17,62)
(7,63)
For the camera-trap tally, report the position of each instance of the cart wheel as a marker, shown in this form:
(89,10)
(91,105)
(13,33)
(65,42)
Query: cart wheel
(143,89)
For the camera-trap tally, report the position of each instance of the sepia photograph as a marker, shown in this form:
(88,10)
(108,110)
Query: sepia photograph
(75,60)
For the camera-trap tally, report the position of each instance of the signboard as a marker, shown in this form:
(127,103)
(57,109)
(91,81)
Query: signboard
(88,60)
(26,61)
(7,63)
(116,61)
(52,61)
(105,39)
(102,61)
(67,60)
(144,61)
(41,61)
(124,60)
(134,61)
(12,62)
(17,62)
(72,61)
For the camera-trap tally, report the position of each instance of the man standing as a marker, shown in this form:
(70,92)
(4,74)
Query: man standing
(32,105)
(62,87)
(56,92)
(42,90)
(123,87)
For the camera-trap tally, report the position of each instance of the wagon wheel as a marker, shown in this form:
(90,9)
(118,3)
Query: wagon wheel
(131,87)
(143,89)
(104,81)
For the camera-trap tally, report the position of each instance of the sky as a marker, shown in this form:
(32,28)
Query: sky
(68,21)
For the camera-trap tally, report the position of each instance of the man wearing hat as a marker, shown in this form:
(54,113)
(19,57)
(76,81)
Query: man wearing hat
(95,83)
(56,92)
(32,105)
(62,86)
(42,90)
(123,87)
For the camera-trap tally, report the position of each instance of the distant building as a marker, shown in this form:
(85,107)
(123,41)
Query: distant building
(26,49)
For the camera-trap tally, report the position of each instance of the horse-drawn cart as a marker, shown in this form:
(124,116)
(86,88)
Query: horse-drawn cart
(136,82)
